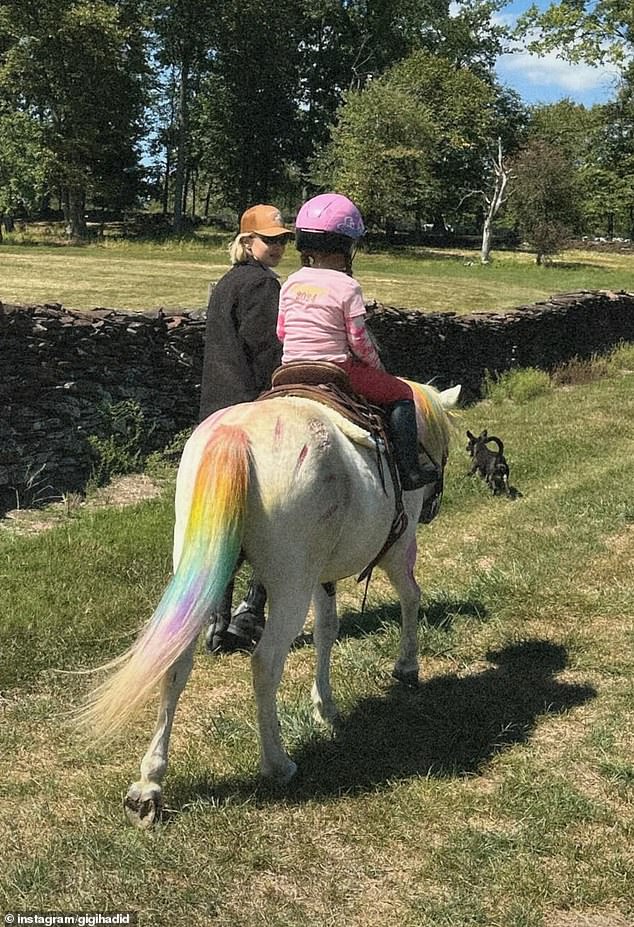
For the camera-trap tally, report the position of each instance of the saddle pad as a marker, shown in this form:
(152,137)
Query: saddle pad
(349,405)
(355,433)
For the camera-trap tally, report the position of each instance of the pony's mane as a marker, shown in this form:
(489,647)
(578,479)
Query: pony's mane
(440,423)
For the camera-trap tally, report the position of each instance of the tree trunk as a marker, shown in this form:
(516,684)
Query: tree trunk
(487,239)
(166,181)
(181,155)
(207,201)
(186,184)
(74,213)
(193,182)
(9,224)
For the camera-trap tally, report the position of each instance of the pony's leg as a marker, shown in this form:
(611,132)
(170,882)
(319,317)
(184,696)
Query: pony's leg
(399,566)
(288,608)
(324,635)
(142,804)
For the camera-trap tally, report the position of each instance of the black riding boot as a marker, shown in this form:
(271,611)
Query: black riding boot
(247,621)
(215,638)
(402,422)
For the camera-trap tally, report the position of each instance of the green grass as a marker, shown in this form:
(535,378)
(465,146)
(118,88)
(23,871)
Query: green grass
(176,274)
(498,793)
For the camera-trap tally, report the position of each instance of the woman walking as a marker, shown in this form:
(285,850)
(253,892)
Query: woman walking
(241,353)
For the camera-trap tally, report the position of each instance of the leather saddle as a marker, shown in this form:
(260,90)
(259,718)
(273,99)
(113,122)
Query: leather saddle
(327,383)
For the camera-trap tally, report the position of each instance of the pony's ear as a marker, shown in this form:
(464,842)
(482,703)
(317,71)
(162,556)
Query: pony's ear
(470,436)
(449,397)
(484,435)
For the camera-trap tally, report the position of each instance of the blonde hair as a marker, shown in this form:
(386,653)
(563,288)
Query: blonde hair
(238,251)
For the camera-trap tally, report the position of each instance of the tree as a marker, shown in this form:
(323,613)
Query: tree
(566,125)
(380,154)
(429,127)
(582,30)
(614,157)
(78,68)
(544,197)
(184,41)
(599,144)
(571,129)
(24,162)
(469,112)
(258,128)
(245,118)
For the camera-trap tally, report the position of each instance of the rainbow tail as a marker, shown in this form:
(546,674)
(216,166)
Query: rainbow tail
(211,547)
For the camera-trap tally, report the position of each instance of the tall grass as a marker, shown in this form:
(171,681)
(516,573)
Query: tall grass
(498,793)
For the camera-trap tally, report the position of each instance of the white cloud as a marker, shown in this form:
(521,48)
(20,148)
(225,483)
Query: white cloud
(548,76)
(550,71)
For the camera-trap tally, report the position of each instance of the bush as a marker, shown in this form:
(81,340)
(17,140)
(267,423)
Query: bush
(577,371)
(123,443)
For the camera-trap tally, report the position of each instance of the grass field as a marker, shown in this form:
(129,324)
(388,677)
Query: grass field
(497,794)
(176,274)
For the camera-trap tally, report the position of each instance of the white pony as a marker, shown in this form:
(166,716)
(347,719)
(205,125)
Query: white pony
(296,487)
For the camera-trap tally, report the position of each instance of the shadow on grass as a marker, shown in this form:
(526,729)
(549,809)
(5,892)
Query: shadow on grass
(571,265)
(439,613)
(414,253)
(447,726)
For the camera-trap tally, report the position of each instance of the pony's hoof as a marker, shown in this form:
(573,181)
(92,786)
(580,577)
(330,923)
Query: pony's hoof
(280,776)
(142,806)
(407,677)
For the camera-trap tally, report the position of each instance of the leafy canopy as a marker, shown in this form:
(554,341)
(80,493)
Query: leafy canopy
(595,31)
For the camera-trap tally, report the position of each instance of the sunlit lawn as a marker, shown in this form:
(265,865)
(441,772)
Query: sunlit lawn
(497,794)
(176,274)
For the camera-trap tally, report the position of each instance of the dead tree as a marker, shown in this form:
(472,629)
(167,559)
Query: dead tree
(494,200)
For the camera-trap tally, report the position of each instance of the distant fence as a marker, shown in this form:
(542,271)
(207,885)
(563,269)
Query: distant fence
(63,372)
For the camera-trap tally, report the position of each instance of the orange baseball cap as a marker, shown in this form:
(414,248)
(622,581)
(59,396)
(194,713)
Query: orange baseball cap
(263,220)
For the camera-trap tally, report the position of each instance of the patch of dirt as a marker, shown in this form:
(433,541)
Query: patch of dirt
(122,491)
(126,490)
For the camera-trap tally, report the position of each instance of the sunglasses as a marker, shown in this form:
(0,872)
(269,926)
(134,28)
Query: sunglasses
(275,239)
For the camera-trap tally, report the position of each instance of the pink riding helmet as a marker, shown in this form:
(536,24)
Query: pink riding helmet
(330,212)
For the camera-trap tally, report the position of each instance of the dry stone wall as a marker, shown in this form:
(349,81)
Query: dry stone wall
(62,372)
(449,348)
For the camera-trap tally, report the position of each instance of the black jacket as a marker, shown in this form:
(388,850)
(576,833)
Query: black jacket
(241,346)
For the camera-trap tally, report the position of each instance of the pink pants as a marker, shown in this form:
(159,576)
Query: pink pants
(376,385)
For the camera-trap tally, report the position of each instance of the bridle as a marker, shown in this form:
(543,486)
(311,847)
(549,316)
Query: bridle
(431,506)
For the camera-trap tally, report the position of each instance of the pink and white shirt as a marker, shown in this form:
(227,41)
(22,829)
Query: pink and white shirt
(322,317)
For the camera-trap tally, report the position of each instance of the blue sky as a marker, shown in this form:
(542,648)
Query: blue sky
(548,78)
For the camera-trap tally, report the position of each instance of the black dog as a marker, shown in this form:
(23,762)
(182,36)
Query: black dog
(490,464)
